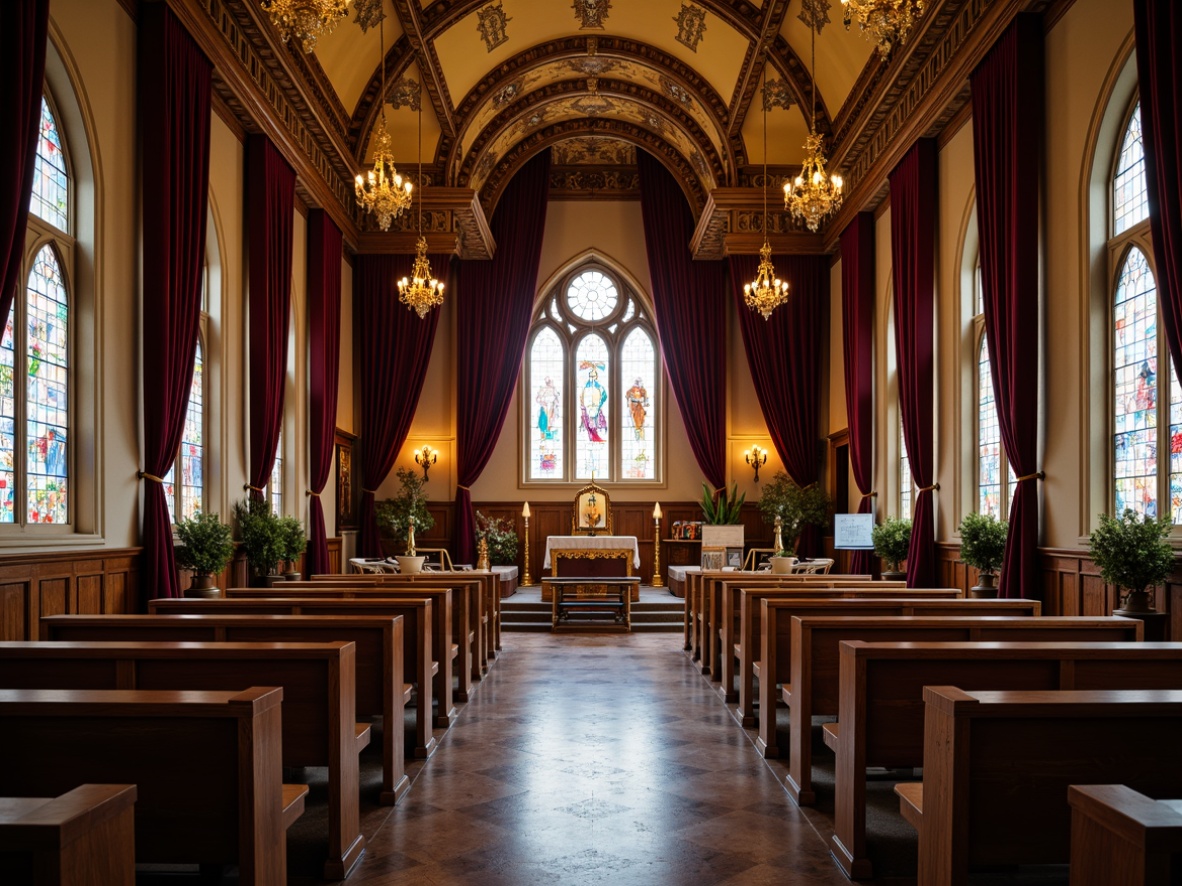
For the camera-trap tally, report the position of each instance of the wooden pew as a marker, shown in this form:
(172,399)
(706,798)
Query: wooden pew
(85,837)
(746,647)
(451,657)
(381,687)
(1122,838)
(418,661)
(1005,803)
(880,710)
(206,766)
(813,688)
(319,727)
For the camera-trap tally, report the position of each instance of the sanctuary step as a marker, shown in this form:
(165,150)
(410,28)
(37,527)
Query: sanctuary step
(657,612)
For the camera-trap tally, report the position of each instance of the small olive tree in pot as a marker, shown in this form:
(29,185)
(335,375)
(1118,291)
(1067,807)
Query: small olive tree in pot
(982,545)
(1133,555)
(293,543)
(262,537)
(206,546)
(892,539)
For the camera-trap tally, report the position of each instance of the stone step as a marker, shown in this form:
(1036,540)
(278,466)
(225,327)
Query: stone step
(647,616)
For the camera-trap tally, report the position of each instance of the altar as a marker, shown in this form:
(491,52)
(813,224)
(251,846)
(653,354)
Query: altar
(591,556)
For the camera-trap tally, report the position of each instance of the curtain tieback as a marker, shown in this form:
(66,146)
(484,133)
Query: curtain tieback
(870,494)
(144,475)
(250,488)
(932,488)
(1037,475)
(462,486)
(311,493)
(370,491)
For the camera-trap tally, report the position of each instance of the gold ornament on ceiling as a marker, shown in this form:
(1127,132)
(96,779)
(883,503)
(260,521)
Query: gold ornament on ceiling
(767,291)
(491,22)
(691,25)
(813,195)
(406,94)
(508,93)
(591,13)
(592,104)
(305,20)
(369,14)
(886,22)
(381,192)
(677,92)
(591,150)
(814,13)
(420,292)
(777,94)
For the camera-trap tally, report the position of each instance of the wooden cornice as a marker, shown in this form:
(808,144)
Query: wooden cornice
(453,222)
(732,224)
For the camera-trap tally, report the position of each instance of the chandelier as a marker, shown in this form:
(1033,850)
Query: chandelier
(382,191)
(885,21)
(767,291)
(421,292)
(305,19)
(813,195)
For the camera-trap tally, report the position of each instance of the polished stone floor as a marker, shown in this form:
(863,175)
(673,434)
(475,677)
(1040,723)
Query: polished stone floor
(589,759)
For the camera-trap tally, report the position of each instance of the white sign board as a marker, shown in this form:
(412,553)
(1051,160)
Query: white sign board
(853,532)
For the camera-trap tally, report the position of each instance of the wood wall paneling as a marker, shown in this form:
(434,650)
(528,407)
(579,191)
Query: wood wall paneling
(63,582)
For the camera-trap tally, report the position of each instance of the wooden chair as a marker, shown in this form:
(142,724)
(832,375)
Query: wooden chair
(591,512)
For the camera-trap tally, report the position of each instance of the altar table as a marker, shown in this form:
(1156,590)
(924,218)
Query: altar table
(585,556)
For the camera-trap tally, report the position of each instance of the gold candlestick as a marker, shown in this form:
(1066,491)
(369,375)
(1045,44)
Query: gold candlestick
(657,583)
(526,581)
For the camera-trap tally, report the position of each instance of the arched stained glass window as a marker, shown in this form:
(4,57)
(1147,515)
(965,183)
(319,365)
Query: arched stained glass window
(905,480)
(274,490)
(1130,200)
(47,401)
(51,184)
(993,497)
(1135,387)
(592,387)
(7,426)
(193,442)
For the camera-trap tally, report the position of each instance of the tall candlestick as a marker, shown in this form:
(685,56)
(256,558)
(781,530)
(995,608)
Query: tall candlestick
(525,511)
(526,581)
(657,583)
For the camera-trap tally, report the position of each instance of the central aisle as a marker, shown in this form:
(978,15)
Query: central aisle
(585,760)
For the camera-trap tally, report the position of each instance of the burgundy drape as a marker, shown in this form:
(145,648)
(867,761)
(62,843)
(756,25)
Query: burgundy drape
(857,315)
(1158,27)
(784,356)
(689,299)
(1007,94)
(324,344)
(270,196)
(174,89)
(913,242)
(495,302)
(22,76)
(395,350)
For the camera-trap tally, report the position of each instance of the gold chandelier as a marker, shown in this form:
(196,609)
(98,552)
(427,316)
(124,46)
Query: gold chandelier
(382,191)
(887,22)
(306,19)
(813,195)
(421,292)
(767,291)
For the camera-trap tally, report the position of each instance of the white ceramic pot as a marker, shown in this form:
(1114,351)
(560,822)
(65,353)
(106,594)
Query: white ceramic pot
(782,565)
(410,565)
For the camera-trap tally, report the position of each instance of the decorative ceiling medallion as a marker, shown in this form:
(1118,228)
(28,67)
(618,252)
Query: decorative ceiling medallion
(591,13)
(776,94)
(589,150)
(814,13)
(592,66)
(369,14)
(491,25)
(691,25)
(676,92)
(508,93)
(406,94)
(592,104)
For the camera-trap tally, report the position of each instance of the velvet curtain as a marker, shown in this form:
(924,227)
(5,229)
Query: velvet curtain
(857,314)
(1158,27)
(395,350)
(913,242)
(689,298)
(270,195)
(22,76)
(1007,95)
(495,301)
(324,344)
(784,356)
(174,91)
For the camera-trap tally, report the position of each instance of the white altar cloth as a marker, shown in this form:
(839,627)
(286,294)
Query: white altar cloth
(592,543)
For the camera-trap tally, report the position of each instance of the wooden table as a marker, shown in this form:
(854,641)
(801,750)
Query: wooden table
(580,556)
(616,601)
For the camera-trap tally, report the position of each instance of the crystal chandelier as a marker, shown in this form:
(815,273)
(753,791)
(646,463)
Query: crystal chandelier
(767,291)
(382,191)
(813,195)
(305,19)
(887,22)
(421,292)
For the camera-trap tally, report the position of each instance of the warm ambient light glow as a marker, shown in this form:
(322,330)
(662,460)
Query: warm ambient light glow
(886,22)
(525,511)
(767,291)
(657,511)
(421,292)
(756,456)
(382,191)
(813,195)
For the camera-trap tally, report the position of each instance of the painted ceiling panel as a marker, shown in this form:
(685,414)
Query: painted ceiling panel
(349,57)
(402,123)
(841,55)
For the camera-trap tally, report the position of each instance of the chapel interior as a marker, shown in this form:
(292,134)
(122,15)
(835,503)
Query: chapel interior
(212,258)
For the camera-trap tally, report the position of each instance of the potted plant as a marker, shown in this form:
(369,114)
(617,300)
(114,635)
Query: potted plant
(782,561)
(725,509)
(401,517)
(293,542)
(501,538)
(892,539)
(982,544)
(262,536)
(1133,555)
(206,546)
(796,506)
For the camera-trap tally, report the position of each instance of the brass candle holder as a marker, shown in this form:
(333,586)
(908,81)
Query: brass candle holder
(526,580)
(657,582)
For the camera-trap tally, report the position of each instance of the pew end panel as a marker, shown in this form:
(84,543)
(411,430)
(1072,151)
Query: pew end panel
(1120,837)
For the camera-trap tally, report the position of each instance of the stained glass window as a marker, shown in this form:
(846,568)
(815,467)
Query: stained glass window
(1175,449)
(989,456)
(192,449)
(51,191)
(905,480)
(47,404)
(1135,387)
(638,360)
(274,490)
(547,383)
(591,385)
(7,425)
(1130,202)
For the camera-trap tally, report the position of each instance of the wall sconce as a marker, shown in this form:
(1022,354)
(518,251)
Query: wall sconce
(426,457)
(756,457)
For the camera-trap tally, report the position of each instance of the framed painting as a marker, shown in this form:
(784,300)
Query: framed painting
(713,557)
(734,557)
(346,493)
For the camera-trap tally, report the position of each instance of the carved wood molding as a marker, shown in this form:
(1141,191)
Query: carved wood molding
(732,224)
(454,222)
